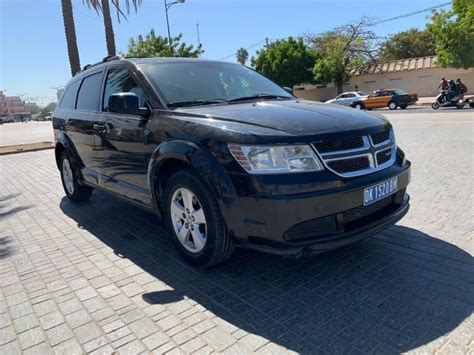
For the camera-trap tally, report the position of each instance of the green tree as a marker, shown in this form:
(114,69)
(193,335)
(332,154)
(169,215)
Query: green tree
(287,62)
(45,111)
(158,46)
(341,50)
(71,41)
(408,44)
(104,7)
(454,35)
(242,55)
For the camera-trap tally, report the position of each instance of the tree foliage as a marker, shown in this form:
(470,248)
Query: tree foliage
(45,111)
(408,44)
(341,50)
(242,55)
(158,46)
(454,35)
(287,62)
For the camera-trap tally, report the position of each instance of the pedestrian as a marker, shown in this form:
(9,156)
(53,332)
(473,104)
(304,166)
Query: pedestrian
(357,88)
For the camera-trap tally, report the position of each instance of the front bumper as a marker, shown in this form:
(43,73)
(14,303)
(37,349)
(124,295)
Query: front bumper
(314,221)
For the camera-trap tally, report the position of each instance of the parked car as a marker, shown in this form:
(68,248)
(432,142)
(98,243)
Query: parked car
(347,98)
(391,98)
(227,157)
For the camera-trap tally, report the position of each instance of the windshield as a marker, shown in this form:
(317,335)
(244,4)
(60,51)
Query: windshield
(209,82)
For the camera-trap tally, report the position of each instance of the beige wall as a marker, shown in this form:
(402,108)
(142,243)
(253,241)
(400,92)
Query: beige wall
(422,81)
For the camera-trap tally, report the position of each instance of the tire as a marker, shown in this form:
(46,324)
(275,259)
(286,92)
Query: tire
(459,106)
(403,106)
(74,191)
(358,107)
(201,244)
(392,105)
(435,105)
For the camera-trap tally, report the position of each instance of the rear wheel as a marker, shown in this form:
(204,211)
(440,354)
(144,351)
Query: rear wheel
(403,106)
(435,105)
(392,105)
(195,221)
(358,107)
(74,191)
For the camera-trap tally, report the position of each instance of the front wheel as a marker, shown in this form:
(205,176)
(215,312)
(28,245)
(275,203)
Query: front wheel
(358,107)
(195,221)
(403,106)
(392,105)
(435,105)
(74,191)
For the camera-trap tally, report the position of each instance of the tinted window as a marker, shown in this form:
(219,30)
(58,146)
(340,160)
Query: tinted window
(119,80)
(69,97)
(399,92)
(88,98)
(350,95)
(200,80)
(361,93)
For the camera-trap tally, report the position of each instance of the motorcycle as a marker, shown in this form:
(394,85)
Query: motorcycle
(458,100)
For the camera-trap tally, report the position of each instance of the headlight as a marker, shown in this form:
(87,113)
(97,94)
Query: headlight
(276,159)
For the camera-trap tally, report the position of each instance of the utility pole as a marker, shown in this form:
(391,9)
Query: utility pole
(198,35)
(266,43)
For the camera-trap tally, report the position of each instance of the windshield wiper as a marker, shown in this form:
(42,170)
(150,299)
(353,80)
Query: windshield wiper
(196,102)
(259,96)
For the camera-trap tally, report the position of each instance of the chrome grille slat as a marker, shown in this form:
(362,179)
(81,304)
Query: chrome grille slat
(350,162)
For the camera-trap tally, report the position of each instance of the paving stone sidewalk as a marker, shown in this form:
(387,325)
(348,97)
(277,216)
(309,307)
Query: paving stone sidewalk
(102,277)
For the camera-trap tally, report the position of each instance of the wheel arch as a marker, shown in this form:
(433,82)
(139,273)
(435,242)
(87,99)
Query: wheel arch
(172,156)
(64,143)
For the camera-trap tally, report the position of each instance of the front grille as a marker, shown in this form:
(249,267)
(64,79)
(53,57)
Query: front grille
(336,145)
(358,155)
(349,165)
(384,156)
(380,137)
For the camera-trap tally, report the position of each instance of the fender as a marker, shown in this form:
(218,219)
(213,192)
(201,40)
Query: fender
(208,168)
(63,139)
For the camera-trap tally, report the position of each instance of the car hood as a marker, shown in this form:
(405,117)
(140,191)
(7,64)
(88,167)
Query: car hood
(295,117)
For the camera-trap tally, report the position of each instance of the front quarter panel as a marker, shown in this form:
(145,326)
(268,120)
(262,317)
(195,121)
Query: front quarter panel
(198,157)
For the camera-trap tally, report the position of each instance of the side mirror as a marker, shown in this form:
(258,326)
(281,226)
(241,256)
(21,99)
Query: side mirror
(127,103)
(290,90)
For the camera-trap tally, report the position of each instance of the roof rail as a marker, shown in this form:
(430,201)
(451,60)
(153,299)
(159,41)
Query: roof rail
(109,58)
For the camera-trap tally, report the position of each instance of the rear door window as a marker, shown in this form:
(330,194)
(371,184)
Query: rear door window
(68,99)
(89,93)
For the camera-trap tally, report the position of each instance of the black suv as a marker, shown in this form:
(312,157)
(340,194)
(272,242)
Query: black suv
(227,157)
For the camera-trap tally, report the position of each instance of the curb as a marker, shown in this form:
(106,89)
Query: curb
(24,148)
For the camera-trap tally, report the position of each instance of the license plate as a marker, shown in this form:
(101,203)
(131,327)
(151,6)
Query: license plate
(377,192)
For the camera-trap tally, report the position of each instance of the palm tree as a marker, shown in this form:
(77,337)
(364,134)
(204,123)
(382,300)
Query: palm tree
(70,31)
(242,55)
(104,7)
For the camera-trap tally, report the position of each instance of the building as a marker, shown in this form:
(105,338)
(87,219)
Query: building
(11,105)
(420,75)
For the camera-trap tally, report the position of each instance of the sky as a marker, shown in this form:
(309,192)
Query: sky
(33,53)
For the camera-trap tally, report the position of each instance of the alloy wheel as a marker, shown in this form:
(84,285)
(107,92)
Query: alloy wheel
(189,220)
(68,177)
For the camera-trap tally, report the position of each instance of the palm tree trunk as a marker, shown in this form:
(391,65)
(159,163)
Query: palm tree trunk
(109,29)
(70,31)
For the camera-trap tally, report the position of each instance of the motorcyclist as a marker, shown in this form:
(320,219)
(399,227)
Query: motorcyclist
(443,85)
(462,88)
(452,91)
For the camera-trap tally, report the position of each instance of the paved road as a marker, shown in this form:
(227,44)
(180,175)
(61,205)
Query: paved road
(103,276)
(24,133)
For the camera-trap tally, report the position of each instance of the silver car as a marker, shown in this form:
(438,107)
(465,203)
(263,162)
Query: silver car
(346,98)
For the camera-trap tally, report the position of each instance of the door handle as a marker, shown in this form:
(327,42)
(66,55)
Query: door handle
(100,127)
